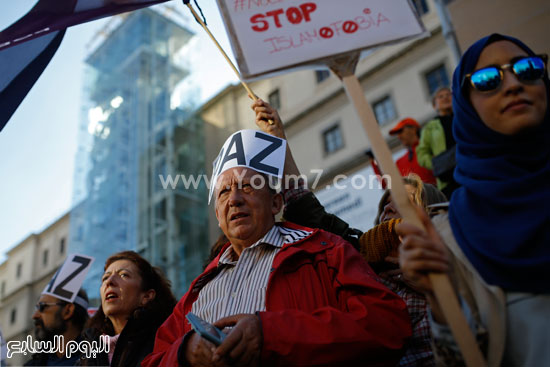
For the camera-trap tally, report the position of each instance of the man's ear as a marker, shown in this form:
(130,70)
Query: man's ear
(277,203)
(148,296)
(68,311)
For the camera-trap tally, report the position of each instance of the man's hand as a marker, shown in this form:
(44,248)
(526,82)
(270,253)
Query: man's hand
(265,112)
(243,344)
(199,352)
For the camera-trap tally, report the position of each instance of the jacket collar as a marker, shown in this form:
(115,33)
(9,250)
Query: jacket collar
(299,234)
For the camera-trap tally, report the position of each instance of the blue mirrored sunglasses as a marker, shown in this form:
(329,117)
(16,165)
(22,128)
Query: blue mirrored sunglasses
(526,69)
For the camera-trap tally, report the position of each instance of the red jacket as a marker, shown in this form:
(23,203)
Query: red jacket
(406,166)
(324,307)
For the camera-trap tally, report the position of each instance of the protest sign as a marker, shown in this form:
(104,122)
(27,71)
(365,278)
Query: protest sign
(268,35)
(253,149)
(68,279)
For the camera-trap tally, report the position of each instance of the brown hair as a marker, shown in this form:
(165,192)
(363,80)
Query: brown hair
(157,310)
(415,181)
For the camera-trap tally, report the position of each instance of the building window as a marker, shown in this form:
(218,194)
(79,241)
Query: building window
(18,270)
(45,258)
(436,78)
(421,6)
(62,246)
(384,110)
(332,138)
(3,289)
(13,316)
(321,75)
(274,99)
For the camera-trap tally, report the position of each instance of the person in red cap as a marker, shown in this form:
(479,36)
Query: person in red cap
(407,131)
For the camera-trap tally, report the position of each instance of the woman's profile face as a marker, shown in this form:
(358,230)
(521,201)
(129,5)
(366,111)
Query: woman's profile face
(514,105)
(120,290)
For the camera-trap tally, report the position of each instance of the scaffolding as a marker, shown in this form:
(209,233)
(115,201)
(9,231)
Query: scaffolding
(131,132)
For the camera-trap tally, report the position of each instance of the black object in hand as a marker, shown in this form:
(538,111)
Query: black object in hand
(205,329)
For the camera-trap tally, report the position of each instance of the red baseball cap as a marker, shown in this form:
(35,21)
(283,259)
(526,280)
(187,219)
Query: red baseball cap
(405,122)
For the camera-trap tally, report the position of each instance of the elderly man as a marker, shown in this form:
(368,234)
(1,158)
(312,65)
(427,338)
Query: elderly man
(53,317)
(291,295)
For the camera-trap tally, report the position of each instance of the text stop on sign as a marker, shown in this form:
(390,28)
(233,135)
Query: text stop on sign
(294,15)
(269,36)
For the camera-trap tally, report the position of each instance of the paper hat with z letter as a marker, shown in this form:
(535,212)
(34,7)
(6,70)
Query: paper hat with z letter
(253,149)
(68,279)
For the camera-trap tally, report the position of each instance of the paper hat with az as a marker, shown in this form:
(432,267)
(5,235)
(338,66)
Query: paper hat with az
(253,149)
(68,279)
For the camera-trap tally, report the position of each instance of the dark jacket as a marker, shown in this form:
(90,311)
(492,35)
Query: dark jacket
(136,341)
(51,359)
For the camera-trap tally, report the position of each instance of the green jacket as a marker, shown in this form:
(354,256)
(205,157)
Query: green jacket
(432,143)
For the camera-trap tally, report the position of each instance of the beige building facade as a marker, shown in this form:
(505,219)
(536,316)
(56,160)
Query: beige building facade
(23,275)
(528,20)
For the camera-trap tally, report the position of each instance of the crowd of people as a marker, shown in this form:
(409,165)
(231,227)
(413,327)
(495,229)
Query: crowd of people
(311,291)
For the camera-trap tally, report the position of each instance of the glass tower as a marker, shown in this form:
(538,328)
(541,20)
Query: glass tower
(133,130)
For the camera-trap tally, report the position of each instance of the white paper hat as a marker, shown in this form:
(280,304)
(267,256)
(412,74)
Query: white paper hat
(253,149)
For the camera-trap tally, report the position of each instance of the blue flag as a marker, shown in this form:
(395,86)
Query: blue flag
(28,45)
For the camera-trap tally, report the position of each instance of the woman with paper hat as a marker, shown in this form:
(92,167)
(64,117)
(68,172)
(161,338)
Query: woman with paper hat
(495,240)
(135,300)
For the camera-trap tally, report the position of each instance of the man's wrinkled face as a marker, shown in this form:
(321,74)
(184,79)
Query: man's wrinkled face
(49,322)
(245,206)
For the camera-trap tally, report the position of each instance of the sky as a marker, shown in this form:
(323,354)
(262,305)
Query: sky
(38,145)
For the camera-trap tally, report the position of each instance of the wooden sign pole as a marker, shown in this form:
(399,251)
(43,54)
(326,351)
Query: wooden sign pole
(220,48)
(442,287)
(198,19)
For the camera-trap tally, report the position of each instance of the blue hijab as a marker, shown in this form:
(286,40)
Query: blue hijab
(501,215)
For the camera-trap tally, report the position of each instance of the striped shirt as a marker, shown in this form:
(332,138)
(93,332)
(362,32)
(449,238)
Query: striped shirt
(240,286)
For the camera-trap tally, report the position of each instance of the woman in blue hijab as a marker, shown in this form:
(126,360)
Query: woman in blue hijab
(495,240)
